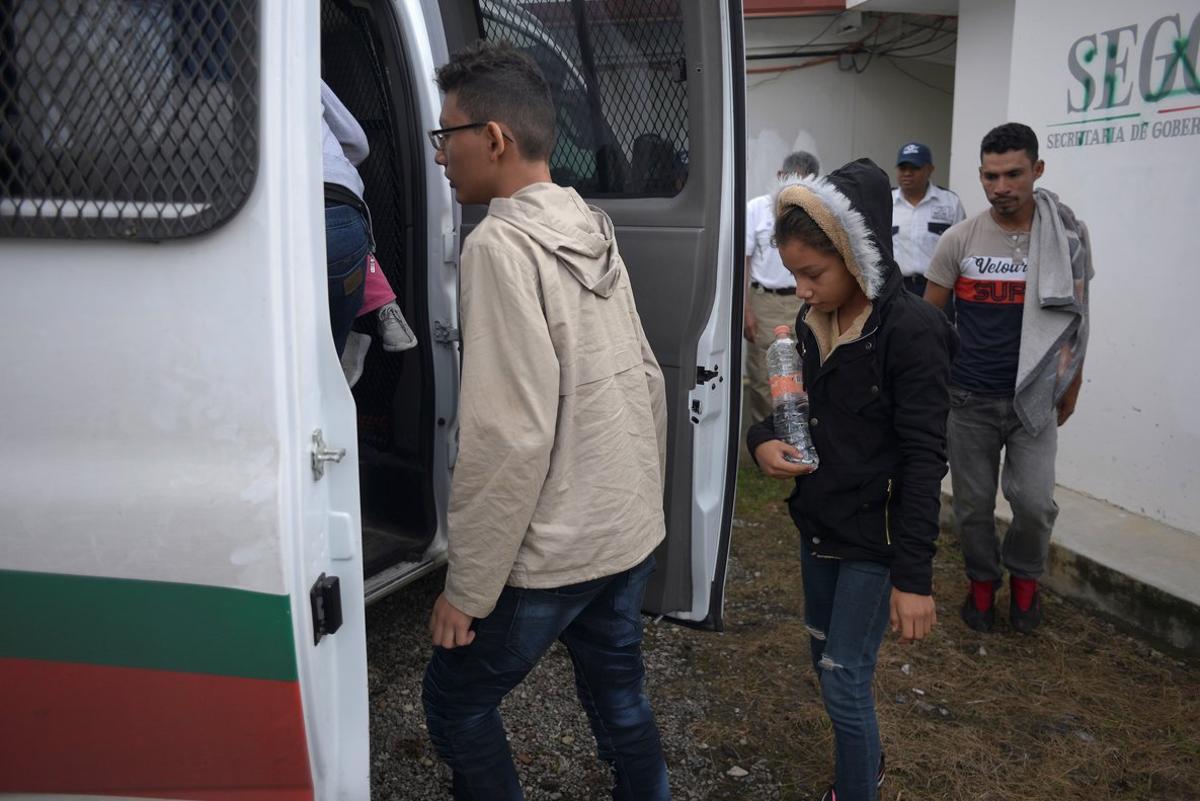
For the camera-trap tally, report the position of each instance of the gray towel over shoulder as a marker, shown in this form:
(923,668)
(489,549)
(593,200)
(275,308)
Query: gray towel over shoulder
(1054,329)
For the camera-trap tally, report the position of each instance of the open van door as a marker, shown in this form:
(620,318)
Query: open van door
(179,504)
(649,96)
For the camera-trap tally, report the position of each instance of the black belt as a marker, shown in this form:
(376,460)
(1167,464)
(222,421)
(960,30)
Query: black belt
(788,290)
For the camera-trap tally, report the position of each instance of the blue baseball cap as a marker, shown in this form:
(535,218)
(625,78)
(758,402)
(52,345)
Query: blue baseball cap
(914,153)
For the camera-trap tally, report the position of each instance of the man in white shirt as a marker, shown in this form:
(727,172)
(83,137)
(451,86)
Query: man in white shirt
(769,291)
(921,213)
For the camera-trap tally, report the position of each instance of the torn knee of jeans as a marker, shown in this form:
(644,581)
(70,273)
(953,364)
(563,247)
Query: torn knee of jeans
(827,663)
(815,633)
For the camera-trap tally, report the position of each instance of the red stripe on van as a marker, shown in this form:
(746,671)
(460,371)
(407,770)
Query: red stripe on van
(94,729)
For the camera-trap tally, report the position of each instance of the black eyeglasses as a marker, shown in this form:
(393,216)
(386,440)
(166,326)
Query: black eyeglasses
(438,137)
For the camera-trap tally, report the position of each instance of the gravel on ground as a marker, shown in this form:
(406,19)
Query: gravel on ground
(1079,711)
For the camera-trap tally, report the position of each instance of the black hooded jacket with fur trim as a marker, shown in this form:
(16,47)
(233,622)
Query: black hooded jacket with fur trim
(878,410)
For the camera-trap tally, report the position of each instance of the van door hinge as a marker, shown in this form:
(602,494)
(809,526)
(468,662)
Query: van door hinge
(704,375)
(444,334)
(322,454)
(325,597)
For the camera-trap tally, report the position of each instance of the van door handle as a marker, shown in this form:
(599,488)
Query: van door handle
(322,454)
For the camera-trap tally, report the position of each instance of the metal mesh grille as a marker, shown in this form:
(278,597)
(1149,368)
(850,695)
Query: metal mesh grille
(618,74)
(133,119)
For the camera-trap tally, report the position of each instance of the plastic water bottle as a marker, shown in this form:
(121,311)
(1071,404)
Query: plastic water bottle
(789,398)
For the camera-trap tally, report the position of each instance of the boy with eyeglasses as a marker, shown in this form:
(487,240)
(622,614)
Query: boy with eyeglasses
(556,505)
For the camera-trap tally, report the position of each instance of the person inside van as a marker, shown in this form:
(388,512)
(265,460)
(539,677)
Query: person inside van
(556,504)
(356,284)
(876,365)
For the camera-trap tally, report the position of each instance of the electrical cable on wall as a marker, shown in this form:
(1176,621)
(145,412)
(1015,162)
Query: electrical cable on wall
(913,36)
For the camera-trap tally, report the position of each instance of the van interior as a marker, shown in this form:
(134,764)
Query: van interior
(395,394)
(624,77)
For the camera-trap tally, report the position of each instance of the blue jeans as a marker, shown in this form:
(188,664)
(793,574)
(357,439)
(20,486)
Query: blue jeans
(846,610)
(347,244)
(600,623)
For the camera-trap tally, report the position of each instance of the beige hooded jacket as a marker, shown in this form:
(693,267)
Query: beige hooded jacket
(562,412)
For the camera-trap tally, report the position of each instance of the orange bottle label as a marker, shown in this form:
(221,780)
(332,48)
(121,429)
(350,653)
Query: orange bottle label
(786,384)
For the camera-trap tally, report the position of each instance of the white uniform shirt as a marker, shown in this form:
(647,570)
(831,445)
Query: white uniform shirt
(766,267)
(917,229)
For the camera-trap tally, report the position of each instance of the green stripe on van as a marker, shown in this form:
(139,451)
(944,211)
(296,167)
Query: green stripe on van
(155,625)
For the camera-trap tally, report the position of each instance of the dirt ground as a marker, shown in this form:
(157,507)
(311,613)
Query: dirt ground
(1080,710)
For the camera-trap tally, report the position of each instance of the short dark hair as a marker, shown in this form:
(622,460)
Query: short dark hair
(495,81)
(1010,136)
(801,163)
(796,223)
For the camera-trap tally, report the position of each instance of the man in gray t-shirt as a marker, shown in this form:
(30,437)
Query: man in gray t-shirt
(984,261)
(985,266)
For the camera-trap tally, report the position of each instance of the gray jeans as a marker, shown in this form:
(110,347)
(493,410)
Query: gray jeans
(978,428)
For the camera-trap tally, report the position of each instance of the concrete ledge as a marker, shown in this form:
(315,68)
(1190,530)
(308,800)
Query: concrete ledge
(1141,572)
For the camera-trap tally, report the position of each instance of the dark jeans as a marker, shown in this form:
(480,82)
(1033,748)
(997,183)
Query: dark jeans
(846,610)
(600,623)
(979,427)
(347,244)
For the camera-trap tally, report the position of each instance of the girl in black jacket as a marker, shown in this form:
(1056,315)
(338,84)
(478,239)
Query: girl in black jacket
(876,362)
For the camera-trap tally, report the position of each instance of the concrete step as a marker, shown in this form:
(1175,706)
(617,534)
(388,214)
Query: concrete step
(1136,570)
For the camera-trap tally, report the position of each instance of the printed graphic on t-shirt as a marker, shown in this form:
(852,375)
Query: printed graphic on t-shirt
(991,279)
(990,293)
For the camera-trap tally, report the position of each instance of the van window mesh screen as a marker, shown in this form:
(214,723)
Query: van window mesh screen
(618,74)
(130,119)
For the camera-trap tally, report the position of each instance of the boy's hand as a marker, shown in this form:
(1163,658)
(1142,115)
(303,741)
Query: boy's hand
(770,460)
(448,626)
(913,616)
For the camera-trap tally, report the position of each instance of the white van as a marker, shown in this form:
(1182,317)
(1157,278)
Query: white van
(194,507)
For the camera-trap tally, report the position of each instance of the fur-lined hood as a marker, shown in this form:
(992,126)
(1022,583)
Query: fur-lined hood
(853,206)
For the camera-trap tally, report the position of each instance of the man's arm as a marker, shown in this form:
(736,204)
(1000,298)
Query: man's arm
(749,321)
(1084,271)
(943,268)
(936,294)
(1066,406)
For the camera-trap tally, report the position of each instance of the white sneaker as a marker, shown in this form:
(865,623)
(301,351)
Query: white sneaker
(354,356)
(393,329)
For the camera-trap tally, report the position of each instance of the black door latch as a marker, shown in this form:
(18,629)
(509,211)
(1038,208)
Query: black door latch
(326,599)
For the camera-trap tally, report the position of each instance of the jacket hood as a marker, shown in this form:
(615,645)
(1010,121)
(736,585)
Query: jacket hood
(853,206)
(579,236)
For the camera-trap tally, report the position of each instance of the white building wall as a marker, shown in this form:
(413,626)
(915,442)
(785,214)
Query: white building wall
(839,115)
(1135,438)
(983,59)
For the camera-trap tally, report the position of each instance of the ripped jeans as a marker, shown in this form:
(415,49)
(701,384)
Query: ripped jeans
(846,609)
